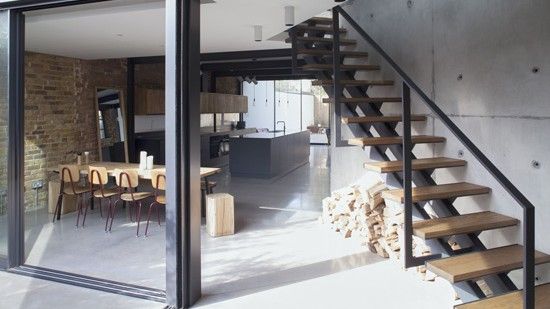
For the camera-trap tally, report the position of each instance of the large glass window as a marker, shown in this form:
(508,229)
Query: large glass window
(295,105)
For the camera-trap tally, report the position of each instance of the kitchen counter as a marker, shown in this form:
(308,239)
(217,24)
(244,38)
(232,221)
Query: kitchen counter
(209,131)
(268,155)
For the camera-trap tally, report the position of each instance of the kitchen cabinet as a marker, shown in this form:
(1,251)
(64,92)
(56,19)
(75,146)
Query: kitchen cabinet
(149,101)
(223,103)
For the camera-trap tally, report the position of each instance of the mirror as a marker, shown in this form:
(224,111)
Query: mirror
(111,125)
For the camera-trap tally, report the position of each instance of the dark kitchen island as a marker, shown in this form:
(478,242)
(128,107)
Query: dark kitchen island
(268,155)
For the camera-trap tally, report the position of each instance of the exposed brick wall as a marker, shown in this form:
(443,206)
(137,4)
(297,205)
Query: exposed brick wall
(60,118)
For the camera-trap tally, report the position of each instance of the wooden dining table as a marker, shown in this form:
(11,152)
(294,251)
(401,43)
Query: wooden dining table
(146,175)
(112,166)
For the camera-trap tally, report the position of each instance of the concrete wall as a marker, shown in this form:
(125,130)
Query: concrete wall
(499,102)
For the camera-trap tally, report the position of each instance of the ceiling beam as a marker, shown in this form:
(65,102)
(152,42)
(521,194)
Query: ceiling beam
(249,65)
(247,54)
(264,72)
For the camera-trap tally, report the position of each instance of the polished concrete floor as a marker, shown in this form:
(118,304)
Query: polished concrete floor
(280,256)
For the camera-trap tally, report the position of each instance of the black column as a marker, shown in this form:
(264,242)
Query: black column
(16,133)
(183,213)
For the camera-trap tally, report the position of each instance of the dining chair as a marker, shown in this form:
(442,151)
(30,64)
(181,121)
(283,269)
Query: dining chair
(127,180)
(70,179)
(158,180)
(98,179)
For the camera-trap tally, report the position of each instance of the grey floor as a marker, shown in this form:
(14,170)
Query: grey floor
(280,256)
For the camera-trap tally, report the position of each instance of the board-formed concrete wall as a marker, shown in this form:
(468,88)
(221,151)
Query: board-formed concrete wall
(486,64)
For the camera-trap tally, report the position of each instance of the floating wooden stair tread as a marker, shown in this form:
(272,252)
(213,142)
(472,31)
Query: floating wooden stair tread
(312,39)
(512,300)
(326,52)
(318,28)
(475,265)
(417,164)
(330,82)
(321,20)
(463,224)
(438,192)
(394,140)
(372,119)
(365,100)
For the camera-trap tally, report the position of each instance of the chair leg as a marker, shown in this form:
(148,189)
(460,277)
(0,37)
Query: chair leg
(113,210)
(130,210)
(138,219)
(100,207)
(158,214)
(203,203)
(57,210)
(149,216)
(85,213)
(108,213)
(79,209)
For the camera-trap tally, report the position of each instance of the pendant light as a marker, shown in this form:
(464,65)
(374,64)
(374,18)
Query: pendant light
(289,15)
(258,33)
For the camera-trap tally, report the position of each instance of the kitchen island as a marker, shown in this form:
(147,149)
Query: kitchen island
(268,155)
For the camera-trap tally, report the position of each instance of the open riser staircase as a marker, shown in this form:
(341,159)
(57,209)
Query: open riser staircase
(316,43)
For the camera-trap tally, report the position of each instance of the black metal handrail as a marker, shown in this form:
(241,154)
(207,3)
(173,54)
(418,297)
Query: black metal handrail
(408,83)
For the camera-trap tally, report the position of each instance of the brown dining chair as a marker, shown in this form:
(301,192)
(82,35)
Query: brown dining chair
(127,180)
(70,178)
(98,178)
(158,180)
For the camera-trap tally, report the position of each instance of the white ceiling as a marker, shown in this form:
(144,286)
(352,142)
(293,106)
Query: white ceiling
(135,28)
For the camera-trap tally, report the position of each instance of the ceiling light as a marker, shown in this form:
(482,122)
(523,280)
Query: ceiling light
(258,33)
(254,80)
(248,80)
(289,15)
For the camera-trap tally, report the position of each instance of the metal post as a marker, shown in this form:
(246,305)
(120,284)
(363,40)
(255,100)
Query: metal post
(529,258)
(294,51)
(407,174)
(336,59)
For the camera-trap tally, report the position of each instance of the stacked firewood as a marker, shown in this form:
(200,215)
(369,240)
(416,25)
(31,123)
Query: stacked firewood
(359,212)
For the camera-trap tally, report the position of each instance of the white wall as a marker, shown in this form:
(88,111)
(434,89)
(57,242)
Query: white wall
(499,103)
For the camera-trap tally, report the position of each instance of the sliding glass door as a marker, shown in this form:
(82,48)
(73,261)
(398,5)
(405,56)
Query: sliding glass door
(4,28)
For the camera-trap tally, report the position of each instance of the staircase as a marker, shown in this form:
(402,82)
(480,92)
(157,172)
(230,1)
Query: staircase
(317,41)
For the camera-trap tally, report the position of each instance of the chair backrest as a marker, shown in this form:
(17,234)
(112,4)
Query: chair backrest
(69,173)
(126,178)
(97,175)
(158,178)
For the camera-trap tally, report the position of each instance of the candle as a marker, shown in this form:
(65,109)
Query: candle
(149,163)
(143,160)
(87,157)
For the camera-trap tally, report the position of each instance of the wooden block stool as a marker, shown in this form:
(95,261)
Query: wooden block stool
(220,214)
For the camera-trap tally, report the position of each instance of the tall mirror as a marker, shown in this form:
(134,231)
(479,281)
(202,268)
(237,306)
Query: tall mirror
(111,125)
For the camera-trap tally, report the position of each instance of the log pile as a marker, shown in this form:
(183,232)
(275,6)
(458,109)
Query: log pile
(358,212)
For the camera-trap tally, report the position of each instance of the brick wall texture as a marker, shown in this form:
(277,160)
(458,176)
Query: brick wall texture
(60,112)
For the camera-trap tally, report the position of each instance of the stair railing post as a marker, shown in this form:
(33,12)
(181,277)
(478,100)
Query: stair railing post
(294,50)
(338,91)
(529,258)
(407,176)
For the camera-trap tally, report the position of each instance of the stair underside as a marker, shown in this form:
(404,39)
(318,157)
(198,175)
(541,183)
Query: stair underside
(343,67)
(475,265)
(417,164)
(372,119)
(308,39)
(354,82)
(512,300)
(437,192)
(326,52)
(463,224)
(365,100)
(319,28)
(394,140)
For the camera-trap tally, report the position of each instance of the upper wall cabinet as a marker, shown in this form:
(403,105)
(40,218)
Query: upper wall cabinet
(223,103)
(149,101)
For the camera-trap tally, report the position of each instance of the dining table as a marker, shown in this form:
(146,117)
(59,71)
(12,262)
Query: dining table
(205,172)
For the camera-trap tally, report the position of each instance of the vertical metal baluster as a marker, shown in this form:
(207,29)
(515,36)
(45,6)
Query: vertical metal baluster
(336,59)
(529,258)
(407,174)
